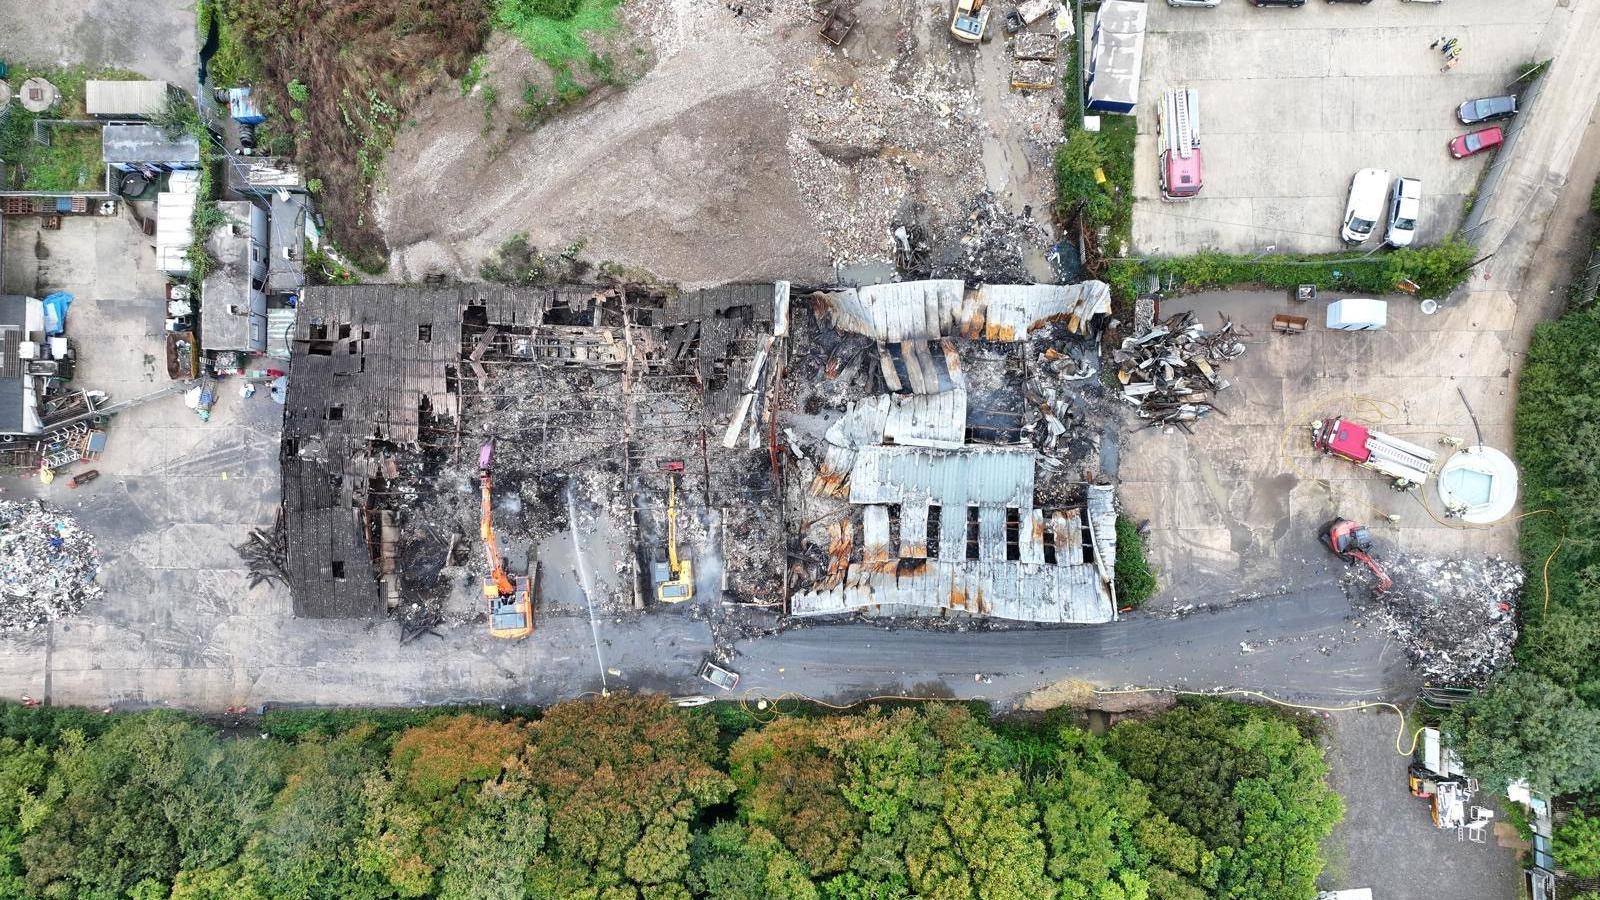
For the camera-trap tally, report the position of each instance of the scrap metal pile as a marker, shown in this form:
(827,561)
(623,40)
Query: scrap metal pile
(1456,618)
(1170,372)
(47,565)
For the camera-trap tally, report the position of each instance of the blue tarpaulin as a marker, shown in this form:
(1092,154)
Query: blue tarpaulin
(55,312)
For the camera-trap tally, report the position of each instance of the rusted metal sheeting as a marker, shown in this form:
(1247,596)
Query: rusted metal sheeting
(973,476)
(908,310)
(1012,311)
(875,537)
(914,531)
(1030,539)
(1007,590)
(1102,510)
(926,368)
(1067,536)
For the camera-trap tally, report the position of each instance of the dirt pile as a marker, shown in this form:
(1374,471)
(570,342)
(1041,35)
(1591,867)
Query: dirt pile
(47,565)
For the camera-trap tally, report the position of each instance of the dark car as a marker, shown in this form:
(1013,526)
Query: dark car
(1487,109)
(1476,142)
(1289,3)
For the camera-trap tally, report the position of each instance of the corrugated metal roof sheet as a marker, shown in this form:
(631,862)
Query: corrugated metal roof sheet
(974,476)
(147,144)
(925,310)
(125,98)
(1011,312)
(1019,591)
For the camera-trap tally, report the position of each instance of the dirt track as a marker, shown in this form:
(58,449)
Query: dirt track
(686,159)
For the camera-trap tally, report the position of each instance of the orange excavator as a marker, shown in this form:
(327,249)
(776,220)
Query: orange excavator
(510,605)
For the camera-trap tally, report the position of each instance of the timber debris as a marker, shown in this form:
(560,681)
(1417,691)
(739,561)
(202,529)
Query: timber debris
(1171,373)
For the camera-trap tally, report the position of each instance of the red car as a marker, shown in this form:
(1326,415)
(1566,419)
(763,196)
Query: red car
(1476,142)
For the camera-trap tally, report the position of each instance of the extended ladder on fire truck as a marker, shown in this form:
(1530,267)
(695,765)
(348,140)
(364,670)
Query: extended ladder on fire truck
(1182,117)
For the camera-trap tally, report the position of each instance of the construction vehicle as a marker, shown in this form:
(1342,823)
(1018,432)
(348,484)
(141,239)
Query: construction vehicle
(1408,464)
(674,577)
(510,604)
(1350,541)
(1181,174)
(969,21)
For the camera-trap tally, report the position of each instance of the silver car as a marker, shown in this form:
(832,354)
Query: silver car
(1206,3)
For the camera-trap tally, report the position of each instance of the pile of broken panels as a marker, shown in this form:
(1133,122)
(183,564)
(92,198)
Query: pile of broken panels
(1170,372)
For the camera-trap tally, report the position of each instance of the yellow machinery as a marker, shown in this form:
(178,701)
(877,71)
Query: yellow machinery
(510,605)
(674,578)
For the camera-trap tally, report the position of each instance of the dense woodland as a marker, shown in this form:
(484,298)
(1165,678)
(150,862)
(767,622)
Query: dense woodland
(628,797)
(1541,720)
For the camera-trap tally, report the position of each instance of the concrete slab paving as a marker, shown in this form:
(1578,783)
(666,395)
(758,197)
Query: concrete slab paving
(1235,509)
(155,38)
(1293,102)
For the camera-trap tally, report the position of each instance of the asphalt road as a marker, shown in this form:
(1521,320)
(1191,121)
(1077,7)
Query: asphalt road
(1307,646)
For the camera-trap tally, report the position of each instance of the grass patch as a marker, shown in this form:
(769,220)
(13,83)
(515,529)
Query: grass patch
(72,161)
(553,30)
(1135,582)
(1436,270)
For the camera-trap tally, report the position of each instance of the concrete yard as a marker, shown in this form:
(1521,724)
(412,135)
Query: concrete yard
(1386,841)
(1235,508)
(155,39)
(1294,101)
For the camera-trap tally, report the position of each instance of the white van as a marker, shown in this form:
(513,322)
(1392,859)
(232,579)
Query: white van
(1368,191)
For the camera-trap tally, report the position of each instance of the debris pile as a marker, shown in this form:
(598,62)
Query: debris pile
(47,565)
(1456,618)
(1169,372)
(266,551)
(989,244)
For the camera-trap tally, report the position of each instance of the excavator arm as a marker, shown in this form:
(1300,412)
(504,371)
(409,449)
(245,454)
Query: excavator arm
(496,582)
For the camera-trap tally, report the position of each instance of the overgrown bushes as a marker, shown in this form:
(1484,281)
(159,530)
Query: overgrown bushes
(1135,582)
(628,797)
(1435,270)
(1542,720)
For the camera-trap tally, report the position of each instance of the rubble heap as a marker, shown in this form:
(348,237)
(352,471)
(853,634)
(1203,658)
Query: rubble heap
(989,244)
(47,565)
(1456,618)
(1169,371)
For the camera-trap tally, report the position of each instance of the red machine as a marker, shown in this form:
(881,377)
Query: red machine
(1351,541)
(1408,464)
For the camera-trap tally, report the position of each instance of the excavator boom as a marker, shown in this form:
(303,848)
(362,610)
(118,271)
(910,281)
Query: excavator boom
(510,605)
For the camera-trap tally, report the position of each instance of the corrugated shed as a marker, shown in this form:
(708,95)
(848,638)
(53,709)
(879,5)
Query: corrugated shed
(974,476)
(134,99)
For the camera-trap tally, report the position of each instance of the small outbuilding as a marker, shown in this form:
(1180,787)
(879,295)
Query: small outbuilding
(130,147)
(22,332)
(1116,55)
(233,300)
(125,99)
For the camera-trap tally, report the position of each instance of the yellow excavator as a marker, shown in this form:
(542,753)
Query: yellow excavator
(674,578)
(510,605)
